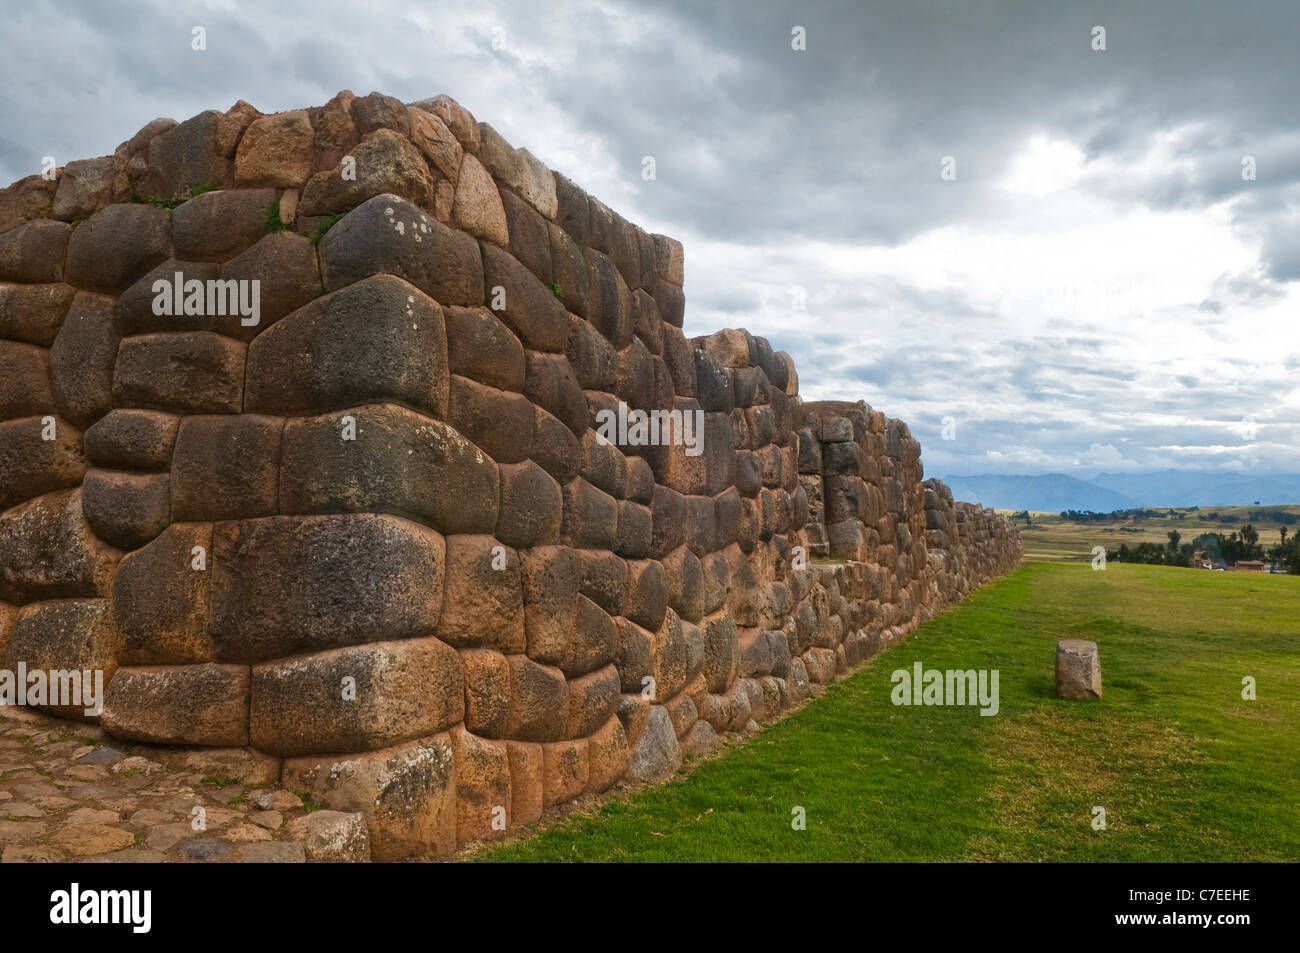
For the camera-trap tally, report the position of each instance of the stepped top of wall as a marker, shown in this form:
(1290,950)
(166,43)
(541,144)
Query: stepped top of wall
(433,153)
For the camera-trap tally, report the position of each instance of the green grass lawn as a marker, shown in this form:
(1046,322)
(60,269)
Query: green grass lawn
(1185,768)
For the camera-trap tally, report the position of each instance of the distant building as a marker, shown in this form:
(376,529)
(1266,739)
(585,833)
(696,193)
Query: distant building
(1248,565)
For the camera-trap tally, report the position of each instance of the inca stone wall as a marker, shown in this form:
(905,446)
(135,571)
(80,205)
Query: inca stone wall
(373,535)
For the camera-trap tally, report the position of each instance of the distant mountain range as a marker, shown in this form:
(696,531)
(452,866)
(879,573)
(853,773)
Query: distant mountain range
(1054,492)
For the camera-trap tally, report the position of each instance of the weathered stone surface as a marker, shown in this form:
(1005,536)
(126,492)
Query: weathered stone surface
(161,598)
(565,771)
(528,306)
(529,236)
(483,607)
(276,151)
(532,506)
(537,184)
(438,143)
(82,359)
(35,252)
(477,207)
(194,372)
(285,265)
(332,837)
(24,380)
(607,756)
(28,198)
(481,347)
(550,384)
(593,699)
(487,692)
(48,552)
(132,439)
(551,577)
(590,517)
(526,768)
(386,164)
(398,461)
(226,467)
(609,302)
(538,701)
(656,753)
(85,186)
(219,225)
(294,584)
(117,245)
(407,794)
(499,156)
(1078,670)
(33,313)
(126,510)
(375,340)
(179,704)
(499,422)
(555,448)
(358,698)
(482,786)
(457,118)
(388,235)
(66,635)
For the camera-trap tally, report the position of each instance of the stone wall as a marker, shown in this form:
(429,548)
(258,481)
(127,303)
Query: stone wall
(374,535)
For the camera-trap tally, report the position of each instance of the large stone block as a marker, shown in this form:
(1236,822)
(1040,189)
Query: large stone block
(161,598)
(66,635)
(609,302)
(483,799)
(590,517)
(481,347)
(126,510)
(431,135)
(656,754)
(387,235)
(82,360)
(35,252)
(38,455)
(386,163)
(85,186)
(180,705)
(276,151)
(48,552)
(565,771)
(526,767)
(524,302)
(555,448)
(33,313)
(483,605)
(226,467)
(379,339)
(218,225)
(608,756)
(530,238)
(407,794)
(721,650)
(487,692)
(296,584)
(285,266)
(358,698)
(592,701)
(668,652)
(1078,670)
(594,642)
(551,577)
(477,205)
(500,422)
(132,440)
(198,151)
(195,372)
(393,460)
(24,380)
(538,701)
(568,270)
(117,245)
(532,506)
(29,198)
(604,579)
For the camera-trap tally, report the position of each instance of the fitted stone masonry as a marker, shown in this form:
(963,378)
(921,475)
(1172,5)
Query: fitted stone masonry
(375,536)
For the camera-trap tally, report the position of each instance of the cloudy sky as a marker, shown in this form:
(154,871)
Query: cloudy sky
(1098,288)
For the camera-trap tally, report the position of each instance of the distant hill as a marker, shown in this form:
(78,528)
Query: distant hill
(1049,493)
(1193,488)
(1054,492)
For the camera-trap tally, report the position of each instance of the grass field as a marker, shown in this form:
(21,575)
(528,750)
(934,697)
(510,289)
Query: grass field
(1054,539)
(1185,768)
